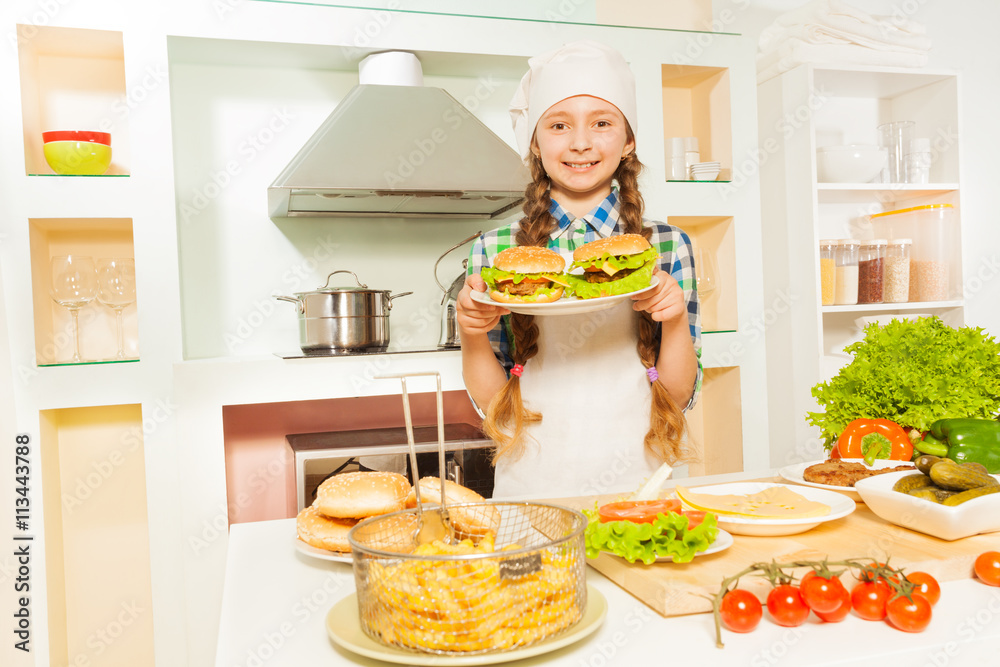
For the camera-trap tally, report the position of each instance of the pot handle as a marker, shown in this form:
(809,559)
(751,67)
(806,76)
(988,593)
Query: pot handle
(360,284)
(291,299)
(395,296)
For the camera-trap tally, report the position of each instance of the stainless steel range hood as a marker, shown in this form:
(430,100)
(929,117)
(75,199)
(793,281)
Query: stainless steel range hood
(400,151)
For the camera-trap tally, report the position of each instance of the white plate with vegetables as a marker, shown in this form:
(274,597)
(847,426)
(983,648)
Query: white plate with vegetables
(568,305)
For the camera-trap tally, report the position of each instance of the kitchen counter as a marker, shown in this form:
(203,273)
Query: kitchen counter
(276,599)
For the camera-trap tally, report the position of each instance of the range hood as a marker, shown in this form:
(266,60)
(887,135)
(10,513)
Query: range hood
(400,151)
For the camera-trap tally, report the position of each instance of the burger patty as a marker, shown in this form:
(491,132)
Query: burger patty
(844,473)
(602,277)
(523,288)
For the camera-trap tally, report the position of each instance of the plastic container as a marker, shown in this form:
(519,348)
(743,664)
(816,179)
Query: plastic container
(918,161)
(896,285)
(827,270)
(933,251)
(896,136)
(871,270)
(846,272)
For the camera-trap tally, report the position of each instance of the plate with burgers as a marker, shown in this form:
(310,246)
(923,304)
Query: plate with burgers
(531,280)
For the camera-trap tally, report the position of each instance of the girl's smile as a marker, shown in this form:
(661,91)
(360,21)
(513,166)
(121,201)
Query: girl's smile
(581,141)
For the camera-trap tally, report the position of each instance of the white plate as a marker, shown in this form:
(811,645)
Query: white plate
(322,554)
(840,506)
(979,515)
(568,305)
(344,627)
(722,542)
(793,473)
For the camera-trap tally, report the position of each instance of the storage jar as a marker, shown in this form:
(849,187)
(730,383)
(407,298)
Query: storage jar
(846,272)
(827,271)
(896,287)
(871,263)
(933,265)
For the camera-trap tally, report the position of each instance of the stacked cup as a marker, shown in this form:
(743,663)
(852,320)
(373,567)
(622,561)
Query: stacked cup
(705,171)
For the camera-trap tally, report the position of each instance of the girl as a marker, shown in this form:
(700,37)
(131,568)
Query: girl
(572,407)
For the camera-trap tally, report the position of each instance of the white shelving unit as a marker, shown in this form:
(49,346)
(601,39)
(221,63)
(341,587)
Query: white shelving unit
(801,110)
(184,89)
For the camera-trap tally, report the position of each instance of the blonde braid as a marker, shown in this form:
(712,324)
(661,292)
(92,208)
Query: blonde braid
(506,415)
(666,420)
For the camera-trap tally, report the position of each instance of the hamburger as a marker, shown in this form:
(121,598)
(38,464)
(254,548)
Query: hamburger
(526,274)
(613,265)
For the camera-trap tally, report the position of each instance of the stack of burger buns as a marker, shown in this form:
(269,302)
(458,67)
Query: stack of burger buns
(345,499)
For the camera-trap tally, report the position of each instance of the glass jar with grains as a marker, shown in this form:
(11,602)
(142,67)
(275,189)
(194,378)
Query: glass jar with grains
(827,251)
(896,286)
(845,290)
(871,260)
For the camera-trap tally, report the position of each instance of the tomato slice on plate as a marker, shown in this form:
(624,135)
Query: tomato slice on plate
(638,511)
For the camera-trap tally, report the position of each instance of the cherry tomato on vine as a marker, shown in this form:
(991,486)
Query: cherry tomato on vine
(821,594)
(869,598)
(841,612)
(925,585)
(909,614)
(786,605)
(988,567)
(740,610)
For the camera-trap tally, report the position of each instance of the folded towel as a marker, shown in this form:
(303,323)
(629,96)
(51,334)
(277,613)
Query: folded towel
(796,52)
(826,21)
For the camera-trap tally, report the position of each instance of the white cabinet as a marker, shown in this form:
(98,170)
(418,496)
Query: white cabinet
(800,111)
(188,91)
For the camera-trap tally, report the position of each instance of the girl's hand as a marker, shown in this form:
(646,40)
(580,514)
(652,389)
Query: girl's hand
(473,317)
(665,302)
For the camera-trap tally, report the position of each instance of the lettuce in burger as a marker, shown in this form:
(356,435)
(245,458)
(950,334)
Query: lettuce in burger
(613,265)
(526,274)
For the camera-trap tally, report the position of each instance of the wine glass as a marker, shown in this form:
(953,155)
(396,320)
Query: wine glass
(116,279)
(706,271)
(74,285)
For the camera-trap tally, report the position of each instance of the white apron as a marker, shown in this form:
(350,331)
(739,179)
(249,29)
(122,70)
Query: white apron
(594,396)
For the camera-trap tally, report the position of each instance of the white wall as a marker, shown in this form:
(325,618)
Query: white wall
(964,37)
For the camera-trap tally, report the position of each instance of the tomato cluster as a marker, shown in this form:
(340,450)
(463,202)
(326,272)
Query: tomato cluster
(882,593)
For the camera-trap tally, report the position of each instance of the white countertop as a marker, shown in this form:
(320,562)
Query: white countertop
(275,603)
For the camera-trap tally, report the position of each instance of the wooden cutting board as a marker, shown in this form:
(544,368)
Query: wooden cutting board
(675,589)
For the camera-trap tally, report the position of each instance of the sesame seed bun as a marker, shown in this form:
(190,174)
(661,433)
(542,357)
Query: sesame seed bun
(356,495)
(473,521)
(529,259)
(623,244)
(323,532)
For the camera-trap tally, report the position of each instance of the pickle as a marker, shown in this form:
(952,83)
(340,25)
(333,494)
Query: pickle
(973,465)
(949,475)
(960,498)
(925,461)
(925,493)
(904,484)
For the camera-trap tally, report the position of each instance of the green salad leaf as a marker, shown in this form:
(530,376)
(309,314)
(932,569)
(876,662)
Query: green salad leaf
(581,289)
(913,372)
(668,535)
(619,262)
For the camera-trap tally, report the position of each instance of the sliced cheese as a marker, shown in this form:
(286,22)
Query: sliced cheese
(557,278)
(609,269)
(775,502)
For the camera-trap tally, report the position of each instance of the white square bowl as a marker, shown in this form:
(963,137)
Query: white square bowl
(979,515)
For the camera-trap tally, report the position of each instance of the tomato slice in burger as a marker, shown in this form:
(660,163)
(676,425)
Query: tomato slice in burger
(637,511)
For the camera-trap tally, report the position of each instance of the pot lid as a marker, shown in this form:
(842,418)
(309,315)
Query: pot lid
(326,289)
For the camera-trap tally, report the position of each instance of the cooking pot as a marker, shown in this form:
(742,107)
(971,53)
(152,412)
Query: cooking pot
(336,319)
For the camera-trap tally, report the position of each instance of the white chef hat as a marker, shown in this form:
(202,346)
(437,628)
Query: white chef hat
(578,68)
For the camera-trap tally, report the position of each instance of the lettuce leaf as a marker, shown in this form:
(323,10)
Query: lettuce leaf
(668,535)
(581,289)
(912,372)
(619,262)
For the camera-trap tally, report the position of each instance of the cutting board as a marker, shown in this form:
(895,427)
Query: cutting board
(675,589)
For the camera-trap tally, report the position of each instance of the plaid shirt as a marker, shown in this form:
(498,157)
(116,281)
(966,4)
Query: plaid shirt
(673,245)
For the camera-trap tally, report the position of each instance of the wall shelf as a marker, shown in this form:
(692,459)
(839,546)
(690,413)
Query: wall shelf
(715,236)
(97,238)
(696,103)
(72,79)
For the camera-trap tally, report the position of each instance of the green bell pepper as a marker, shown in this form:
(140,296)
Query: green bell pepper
(970,440)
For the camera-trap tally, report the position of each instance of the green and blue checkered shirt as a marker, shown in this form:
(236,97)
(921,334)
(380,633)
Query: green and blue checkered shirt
(673,245)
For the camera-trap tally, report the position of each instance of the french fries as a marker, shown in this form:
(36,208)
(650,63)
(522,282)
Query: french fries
(466,605)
